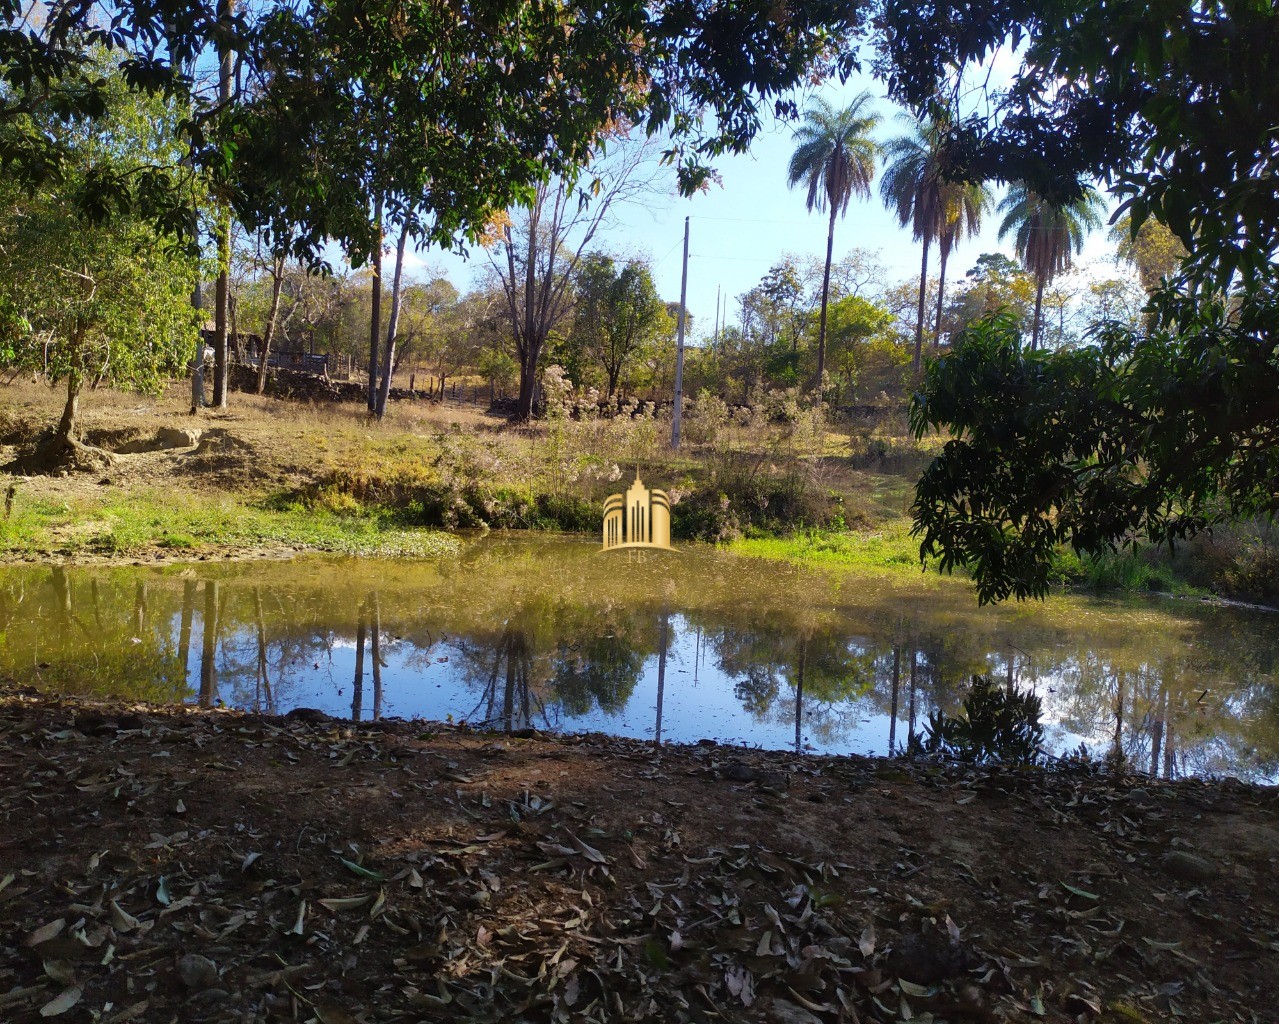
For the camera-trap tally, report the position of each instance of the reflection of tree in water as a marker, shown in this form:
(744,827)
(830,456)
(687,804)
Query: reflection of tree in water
(104,637)
(553,660)
(826,674)
(1175,688)
(598,670)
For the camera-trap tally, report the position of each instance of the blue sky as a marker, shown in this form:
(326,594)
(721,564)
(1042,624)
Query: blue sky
(743,226)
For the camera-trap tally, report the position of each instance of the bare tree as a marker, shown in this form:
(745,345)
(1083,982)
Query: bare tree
(537,253)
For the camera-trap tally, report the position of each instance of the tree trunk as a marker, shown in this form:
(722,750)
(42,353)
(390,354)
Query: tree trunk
(357,687)
(821,324)
(197,365)
(1039,302)
(393,324)
(375,314)
(69,425)
(208,672)
(184,627)
(264,676)
(1119,719)
(1157,730)
(226,66)
(661,681)
(528,380)
(941,293)
(221,310)
(277,283)
(375,652)
(799,699)
(910,726)
(919,322)
(897,681)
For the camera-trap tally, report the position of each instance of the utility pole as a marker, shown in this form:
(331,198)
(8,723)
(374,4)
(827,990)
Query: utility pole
(717,288)
(222,287)
(679,346)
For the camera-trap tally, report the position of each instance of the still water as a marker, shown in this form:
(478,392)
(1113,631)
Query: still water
(550,633)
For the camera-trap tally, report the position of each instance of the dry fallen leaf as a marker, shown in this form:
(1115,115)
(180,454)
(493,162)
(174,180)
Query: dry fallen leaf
(61,1003)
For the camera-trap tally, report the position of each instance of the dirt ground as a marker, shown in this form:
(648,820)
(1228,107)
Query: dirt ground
(169,864)
(257,443)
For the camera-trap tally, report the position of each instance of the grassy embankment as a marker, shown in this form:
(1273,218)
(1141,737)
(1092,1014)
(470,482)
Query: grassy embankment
(275,477)
(278,476)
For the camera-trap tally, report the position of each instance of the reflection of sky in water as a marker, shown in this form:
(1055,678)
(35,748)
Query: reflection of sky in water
(542,620)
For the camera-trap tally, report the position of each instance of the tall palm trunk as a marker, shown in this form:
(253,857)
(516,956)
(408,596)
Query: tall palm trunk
(944,255)
(222,293)
(821,330)
(1039,303)
(919,320)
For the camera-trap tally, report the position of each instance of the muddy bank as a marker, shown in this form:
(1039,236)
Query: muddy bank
(205,865)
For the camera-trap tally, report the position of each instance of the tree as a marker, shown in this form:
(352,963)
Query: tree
(963,204)
(835,159)
(913,188)
(859,335)
(1154,251)
(89,302)
(993,283)
(618,314)
(1047,233)
(536,259)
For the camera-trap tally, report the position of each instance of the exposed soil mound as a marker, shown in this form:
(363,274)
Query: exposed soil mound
(61,456)
(165,439)
(222,457)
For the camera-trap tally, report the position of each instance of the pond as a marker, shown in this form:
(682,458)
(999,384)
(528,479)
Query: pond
(547,632)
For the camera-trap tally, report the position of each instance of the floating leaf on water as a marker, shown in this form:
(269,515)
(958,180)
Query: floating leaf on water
(62,1002)
(363,872)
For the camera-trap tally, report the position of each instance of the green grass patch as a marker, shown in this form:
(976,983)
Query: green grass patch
(889,549)
(193,522)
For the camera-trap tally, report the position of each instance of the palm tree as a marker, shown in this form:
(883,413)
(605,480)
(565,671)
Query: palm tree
(1048,233)
(835,158)
(963,206)
(913,188)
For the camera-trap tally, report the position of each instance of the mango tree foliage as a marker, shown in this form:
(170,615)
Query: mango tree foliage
(499,92)
(95,302)
(1158,431)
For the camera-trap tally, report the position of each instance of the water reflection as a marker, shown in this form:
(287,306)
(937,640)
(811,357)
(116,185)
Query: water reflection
(547,634)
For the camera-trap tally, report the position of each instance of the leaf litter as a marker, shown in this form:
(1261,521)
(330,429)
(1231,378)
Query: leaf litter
(343,873)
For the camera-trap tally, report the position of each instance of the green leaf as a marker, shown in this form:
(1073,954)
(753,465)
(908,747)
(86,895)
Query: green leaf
(363,872)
